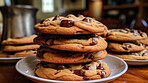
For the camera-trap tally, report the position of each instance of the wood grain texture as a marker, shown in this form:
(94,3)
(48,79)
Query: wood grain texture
(135,74)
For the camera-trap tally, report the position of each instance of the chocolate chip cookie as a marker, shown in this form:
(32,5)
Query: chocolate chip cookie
(25,40)
(125,46)
(125,35)
(20,48)
(24,53)
(70,25)
(141,55)
(144,42)
(84,45)
(73,72)
(66,57)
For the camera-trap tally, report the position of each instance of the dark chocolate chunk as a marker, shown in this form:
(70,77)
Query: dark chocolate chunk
(126,29)
(67,23)
(86,67)
(90,56)
(135,32)
(103,74)
(86,78)
(57,72)
(56,17)
(42,21)
(86,20)
(144,45)
(93,42)
(60,67)
(100,67)
(79,72)
(127,46)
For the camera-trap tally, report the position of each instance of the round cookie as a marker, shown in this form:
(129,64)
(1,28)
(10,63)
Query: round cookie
(20,48)
(69,25)
(125,47)
(125,35)
(142,55)
(25,40)
(67,57)
(73,72)
(24,53)
(83,45)
(91,25)
(144,42)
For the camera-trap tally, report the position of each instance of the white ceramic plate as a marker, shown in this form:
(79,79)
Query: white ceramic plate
(27,65)
(136,62)
(10,60)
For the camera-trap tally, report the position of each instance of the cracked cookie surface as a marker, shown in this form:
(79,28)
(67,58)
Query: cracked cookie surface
(73,72)
(67,57)
(70,25)
(25,40)
(125,46)
(141,55)
(125,35)
(86,44)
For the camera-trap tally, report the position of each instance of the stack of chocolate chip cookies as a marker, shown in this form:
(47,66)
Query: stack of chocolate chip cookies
(20,47)
(70,49)
(127,44)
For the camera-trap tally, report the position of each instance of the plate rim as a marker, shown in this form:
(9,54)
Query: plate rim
(11,58)
(48,80)
(136,60)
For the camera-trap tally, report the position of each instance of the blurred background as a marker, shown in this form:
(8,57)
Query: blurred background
(113,13)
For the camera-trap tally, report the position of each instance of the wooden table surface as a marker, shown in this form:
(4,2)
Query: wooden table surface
(135,74)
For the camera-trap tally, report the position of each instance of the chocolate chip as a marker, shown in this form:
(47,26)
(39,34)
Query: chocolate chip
(126,29)
(140,33)
(134,31)
(56,18)
(100,67)
(86,67)
(42,21)
(144,45)
(93,42)
(57,72)
(67,23)
(90,56)
(60,67)
(86,78)
(79,72)
(86,20)
(127,46)
(103,74)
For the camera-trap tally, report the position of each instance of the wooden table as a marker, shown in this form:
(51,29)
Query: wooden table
(135,74)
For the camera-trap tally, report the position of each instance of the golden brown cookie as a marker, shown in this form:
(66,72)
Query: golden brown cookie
(125,47)
(67,57)
(70,25)
(144,42)
(125,35)
(83,45)
(20,48)
(24,53)
(142,55)
(73,72)
(25,40)
(91,25)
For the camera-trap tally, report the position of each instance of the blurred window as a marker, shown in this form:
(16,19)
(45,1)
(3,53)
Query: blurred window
(47,6)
